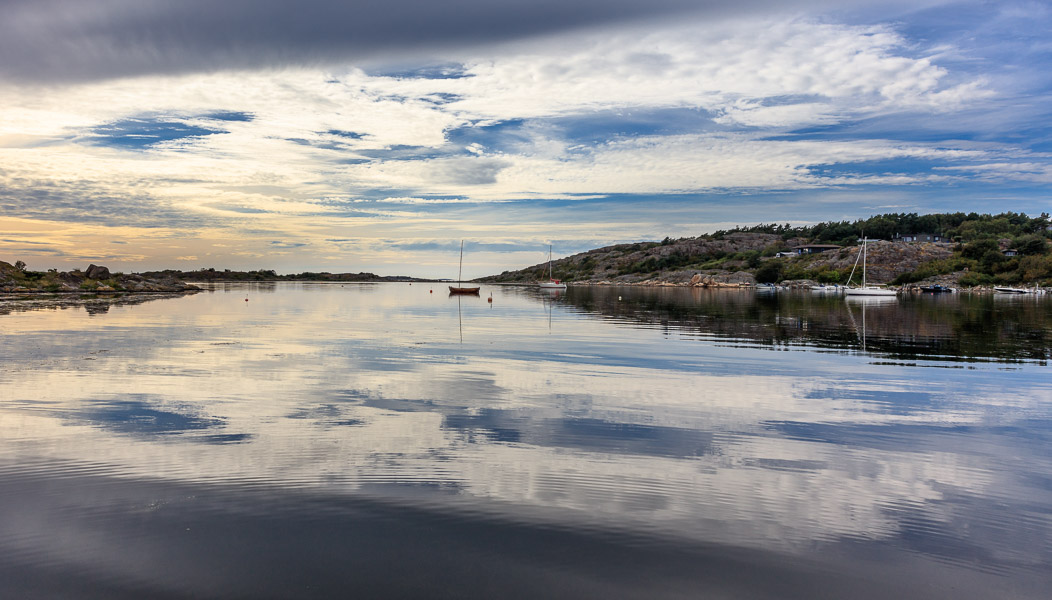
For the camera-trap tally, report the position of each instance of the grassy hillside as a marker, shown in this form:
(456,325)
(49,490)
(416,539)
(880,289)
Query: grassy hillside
(974,255)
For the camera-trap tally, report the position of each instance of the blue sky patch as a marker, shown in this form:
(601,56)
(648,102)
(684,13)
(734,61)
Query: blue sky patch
(496,136)
(603,127)
(141,133)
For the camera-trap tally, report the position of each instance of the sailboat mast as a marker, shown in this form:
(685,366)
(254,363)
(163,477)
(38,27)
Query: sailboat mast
(550,262)
(864,244)
(460,271)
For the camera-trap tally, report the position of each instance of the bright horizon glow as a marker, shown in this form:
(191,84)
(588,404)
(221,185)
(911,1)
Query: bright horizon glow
(157,139)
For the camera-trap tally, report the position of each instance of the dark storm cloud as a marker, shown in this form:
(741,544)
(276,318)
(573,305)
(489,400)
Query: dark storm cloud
(60,40)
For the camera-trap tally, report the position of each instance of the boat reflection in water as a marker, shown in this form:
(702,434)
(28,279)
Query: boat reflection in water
(863,301)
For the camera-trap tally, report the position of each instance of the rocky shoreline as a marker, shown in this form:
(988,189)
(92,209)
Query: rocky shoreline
(15,279)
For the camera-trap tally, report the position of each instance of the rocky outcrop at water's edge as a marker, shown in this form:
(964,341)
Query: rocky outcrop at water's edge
(16,279)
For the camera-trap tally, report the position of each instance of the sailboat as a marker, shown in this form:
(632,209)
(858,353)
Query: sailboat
(865,290)
(459,288)
(552,283)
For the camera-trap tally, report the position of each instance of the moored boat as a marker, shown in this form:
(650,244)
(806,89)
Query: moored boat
(552,283)
(459,288)
(826,289)
(865,290)
(474,291)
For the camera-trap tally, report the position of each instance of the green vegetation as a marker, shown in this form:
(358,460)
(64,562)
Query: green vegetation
(212,275)
(956,227)
(983,243)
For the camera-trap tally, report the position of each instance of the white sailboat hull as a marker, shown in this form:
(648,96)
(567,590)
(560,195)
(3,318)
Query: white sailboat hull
(869,291)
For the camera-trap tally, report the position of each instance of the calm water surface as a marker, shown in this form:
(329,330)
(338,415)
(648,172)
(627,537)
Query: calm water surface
(326,440)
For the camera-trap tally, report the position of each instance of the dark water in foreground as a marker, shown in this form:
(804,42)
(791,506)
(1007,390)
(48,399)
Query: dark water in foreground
(384,441)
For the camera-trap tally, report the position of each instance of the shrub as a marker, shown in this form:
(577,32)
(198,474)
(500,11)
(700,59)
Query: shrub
(992,258)
(829,276)
(1030,245)
(770,272)
(973,279)
(752,259)
(1036,268)
(977,250)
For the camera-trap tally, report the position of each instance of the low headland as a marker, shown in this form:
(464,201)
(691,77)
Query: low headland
(17,278)
(952,250)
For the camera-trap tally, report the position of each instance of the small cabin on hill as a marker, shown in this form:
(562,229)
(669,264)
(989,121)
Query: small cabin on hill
(918,237)
(814,248)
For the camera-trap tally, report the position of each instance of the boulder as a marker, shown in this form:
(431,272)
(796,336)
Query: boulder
(97,272)
(73,278)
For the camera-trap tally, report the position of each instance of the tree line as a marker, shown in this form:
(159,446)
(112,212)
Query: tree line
(956,227)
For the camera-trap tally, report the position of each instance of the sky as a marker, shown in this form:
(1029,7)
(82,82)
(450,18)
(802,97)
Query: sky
(352,135)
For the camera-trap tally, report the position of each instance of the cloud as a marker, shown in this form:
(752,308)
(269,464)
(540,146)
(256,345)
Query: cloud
(673,164)
(84,200)
(286,128)
(1036,172)
(66,40)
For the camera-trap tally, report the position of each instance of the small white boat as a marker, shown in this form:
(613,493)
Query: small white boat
(1012,290)
(826,289)
(865,290)
(552,283)
(870,291)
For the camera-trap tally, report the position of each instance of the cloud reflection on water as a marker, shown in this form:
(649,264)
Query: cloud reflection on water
(349,393)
